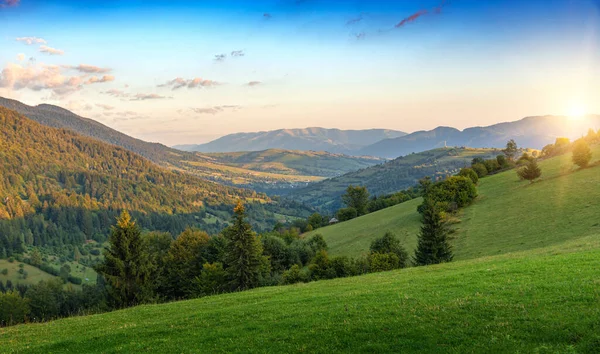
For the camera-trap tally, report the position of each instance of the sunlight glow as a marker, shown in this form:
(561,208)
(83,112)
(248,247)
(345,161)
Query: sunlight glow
(577,111)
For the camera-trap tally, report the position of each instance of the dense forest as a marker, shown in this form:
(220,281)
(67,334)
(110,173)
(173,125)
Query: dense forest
(57,187)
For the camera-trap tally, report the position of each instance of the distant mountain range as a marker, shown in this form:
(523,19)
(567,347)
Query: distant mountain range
(309,139)
(532,132)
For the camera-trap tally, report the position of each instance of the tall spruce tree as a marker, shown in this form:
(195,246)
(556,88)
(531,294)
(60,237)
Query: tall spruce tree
(125,267)
(433,246)
(243,252)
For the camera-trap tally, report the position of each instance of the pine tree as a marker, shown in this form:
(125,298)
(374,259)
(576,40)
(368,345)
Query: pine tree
(433,246)
(125,267)
(243,252)
(530,172)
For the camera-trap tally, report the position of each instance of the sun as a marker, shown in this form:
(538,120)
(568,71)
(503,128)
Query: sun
(577,111)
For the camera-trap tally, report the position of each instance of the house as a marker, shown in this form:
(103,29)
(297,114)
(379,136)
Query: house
(333,221)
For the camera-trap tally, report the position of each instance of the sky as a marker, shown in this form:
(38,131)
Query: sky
(182,72)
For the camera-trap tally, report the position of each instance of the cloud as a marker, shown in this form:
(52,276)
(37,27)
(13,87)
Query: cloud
(90,69)
(105,106)
(411,18)
(31,40)
(9,3)
(354,21)
(45,77)
(78,106)
(220,57)
(116,93)
(238,53)
(360,35)
(254,83)
(51,51)
(180,82)
(20,57)
(148,96)
(267,16)
(216,109)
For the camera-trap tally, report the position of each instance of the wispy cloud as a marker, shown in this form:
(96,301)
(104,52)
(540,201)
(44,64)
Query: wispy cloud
(254,83)
(220,57)
(267,16)
(411,18)
(238,53)
(180,82)
(105,106)
(116,93)
(215,109)
(148,96)
(51,51)
(31,40)
(95,79)
(90,69)
(9,3)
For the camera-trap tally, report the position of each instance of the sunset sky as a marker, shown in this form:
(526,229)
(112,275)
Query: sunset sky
(188,71)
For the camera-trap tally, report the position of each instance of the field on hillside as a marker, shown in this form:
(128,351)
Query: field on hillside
(509,215)
(34,275)
(541,301)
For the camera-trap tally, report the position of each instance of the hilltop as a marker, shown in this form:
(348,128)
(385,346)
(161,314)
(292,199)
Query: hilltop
(308,139)
(390,177)
(509,215)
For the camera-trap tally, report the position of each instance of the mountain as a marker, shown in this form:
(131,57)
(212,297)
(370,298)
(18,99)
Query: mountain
(531,132)
(309,139)
(222,170)
(294,162)
(390,177)
(59,188)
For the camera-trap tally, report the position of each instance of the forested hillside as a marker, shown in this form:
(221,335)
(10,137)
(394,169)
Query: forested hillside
(57,187)
(392,176)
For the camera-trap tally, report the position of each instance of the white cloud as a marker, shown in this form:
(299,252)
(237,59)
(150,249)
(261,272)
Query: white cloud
(31,40)
(51,51)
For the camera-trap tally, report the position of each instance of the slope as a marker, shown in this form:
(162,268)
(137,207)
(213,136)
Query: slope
(540,301)
(509,215)
(57,187)
(532,132)
(295,162)
(308,139)
(390,177)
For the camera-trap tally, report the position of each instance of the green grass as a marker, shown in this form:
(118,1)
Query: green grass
(509,215)
(542,301)
(34,275)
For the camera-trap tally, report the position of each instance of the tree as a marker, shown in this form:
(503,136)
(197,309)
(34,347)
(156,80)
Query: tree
(469,173)
(36,258)
(511,150)
(389,243)
(346,214)
(212,280)
(65,272)
(243,252)
(502,161)
(356,197)
(531,171)
(184,262)
(125,267)
(433,246)
(316,220)
(582,155)
(480,169)
(591,136)
(13,308)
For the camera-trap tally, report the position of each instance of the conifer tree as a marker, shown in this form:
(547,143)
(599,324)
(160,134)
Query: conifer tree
(125,267)
(530,172)
(433,246)
(243,252)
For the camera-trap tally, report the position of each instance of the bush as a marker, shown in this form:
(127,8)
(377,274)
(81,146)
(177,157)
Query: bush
(380,262)
(13,308)
(480,169)
(469,173)
(4,271)
(294,275)
(530,172)
(582,155)
(346,214)
(502,161)
(453,193)
(388,243)
(491,165)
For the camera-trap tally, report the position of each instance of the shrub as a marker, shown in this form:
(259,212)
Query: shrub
(469,173)
(480,169)
(491,165)
(388,243)
(530,172)
(582,155)
(453,193)
(502,161)
(4,271)
(294,275)
(346,214)
(13,308)
(380,262)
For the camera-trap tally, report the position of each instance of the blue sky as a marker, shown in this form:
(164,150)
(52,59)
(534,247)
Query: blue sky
(149,68)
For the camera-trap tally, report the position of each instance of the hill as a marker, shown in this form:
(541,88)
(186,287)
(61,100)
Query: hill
(290,162)
(392,176)
(538,301)
(509,215)
(531,132)
(57,188)
(207,167)
(309,139)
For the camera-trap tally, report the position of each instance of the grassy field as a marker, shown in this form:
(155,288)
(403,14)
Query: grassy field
(540,301)
(34,275)
(509,215)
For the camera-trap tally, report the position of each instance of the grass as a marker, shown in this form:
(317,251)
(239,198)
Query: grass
(509,215)
(541,301)
(34,275)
